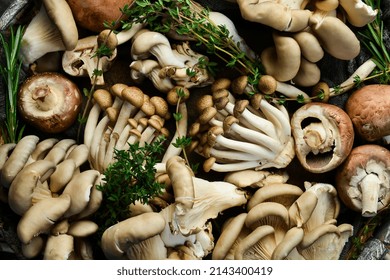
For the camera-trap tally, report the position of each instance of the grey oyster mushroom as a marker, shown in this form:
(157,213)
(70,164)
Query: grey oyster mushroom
(362,180)
(182,229)
(52,195)
(52,29)
(323,136)
(284,222)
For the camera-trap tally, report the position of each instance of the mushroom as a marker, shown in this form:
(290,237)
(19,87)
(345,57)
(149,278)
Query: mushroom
(52,29)
(363,180)
(91,15)
(358,13)
(367,107)
(81,61)
(17,160)
(286,16)
(323,135)
(132,239)
(49,102)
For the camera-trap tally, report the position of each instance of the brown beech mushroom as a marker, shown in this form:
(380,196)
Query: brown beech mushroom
(368,108)
(323,135)
(49,102)
(363,182)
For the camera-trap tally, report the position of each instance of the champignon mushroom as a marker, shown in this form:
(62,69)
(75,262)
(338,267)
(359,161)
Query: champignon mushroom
(367,107)
(91,15)
(49,102)
(52,29)
(323,135)
(363,179)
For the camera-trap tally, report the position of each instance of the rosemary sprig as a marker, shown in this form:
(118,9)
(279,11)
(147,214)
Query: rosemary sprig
(372,39)
(11,74)
(129,179)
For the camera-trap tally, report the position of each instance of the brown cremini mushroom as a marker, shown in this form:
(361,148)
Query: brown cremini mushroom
(368,108)
(363,179)
(49,102)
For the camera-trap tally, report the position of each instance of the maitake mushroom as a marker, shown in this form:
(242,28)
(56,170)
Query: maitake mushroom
(363,180)
(323,135)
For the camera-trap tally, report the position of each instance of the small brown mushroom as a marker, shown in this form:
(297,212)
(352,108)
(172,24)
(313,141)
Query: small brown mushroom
(49,102)
(323,135)
(363,179)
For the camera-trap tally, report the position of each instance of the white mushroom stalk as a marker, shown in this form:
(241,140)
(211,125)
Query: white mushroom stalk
(362,180)
(242,136)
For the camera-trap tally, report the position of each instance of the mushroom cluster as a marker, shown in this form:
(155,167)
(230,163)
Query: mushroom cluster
(284,222)
(121,116)
(182,229)
(235,135)
(303,31)
(164,64)
(49,189)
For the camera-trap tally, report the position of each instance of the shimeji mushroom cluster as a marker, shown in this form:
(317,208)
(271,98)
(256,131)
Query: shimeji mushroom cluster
(236,134)
(55,197)
(122,116)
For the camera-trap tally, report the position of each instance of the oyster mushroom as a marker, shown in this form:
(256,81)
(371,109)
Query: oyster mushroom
(363,180)
(323,135)
(52,29)
(49,102)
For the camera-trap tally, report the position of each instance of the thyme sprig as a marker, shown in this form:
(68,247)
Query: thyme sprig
(129,179)
(10,72)
(187,18)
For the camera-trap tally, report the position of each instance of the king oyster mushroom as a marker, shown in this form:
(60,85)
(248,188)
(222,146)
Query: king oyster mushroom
(49,101)
(323,135)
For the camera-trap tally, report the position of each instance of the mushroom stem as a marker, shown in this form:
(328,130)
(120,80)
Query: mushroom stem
(362,72)
(370,186)
(315,135)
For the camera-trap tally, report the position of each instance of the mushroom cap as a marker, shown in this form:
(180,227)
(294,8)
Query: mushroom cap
(91,14)
(60,13)
(49,101)
(358,160)
(368,108)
